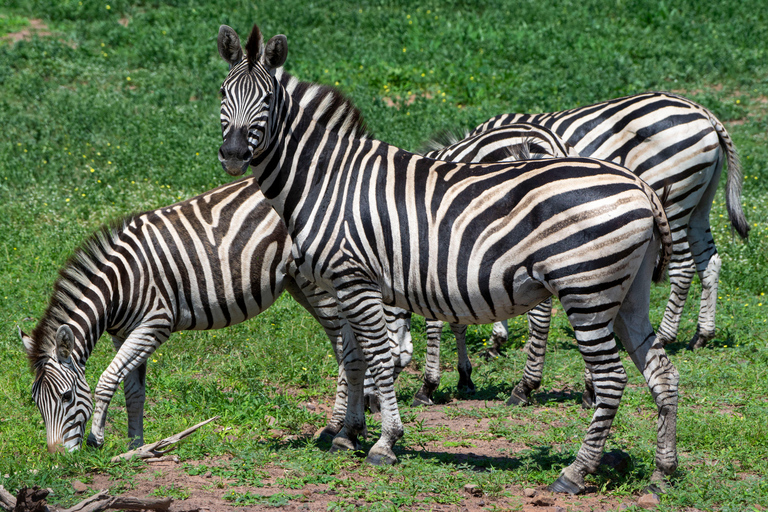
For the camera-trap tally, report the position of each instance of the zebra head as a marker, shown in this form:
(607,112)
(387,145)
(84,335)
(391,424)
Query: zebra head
(60,390)
(247,95)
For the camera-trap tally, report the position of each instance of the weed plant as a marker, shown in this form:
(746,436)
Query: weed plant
(114,109)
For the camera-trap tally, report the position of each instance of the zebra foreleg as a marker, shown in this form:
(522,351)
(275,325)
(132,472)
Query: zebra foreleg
(354,370)
(362,306)
(539,320)
(432,365)
(133,353)
(322,306)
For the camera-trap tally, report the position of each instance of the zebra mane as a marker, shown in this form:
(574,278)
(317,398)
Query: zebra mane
(254,46)
(327,105)
(441,140)
(73,280)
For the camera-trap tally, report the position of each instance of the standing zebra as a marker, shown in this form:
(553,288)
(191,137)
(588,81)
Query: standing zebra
(669,141)
(212,261)
(373,225)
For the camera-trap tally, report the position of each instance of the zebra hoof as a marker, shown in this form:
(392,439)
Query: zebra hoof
(336,448)
(326,435)
(467,388)
(587,401)
(419,401)
(93,442)
(518,398)
(381,459)
(372,403)
(565,485)
(491,354)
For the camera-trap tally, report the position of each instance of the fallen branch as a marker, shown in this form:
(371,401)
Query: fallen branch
(161,447)
(7,500)
(33,500)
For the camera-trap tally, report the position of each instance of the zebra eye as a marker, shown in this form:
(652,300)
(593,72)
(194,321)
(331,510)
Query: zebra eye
(67,396)
(223,94)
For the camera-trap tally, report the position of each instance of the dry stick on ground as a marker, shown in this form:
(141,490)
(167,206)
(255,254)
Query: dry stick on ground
(160,447)
(33,500)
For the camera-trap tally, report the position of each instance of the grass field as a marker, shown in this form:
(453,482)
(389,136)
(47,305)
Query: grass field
(109,107)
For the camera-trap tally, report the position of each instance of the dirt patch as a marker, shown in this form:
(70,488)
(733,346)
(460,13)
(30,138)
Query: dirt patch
(36,28)
(210,484)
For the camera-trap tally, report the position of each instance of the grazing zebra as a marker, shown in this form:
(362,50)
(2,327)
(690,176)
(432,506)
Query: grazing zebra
(373,225)
(511,142)
(212,261)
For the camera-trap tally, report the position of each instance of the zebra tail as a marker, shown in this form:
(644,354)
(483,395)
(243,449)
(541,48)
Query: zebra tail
(734,179)
(662,229)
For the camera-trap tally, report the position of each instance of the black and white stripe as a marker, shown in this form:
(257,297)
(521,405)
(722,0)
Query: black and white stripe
(374,225)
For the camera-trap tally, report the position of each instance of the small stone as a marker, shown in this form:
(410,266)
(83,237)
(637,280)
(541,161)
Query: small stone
(311,406)
(473,489)
(481,503)
(79,486)
(648,501)
(207,474)
(529,492)
(543,501)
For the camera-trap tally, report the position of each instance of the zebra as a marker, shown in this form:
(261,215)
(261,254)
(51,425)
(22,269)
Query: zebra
(667,140)
(365,219)
(211,261)
(510,142)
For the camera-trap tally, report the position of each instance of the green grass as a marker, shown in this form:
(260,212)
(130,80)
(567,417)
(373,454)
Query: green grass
(117,111)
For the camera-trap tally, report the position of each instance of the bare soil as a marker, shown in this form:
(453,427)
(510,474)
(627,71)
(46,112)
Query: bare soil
(206,491)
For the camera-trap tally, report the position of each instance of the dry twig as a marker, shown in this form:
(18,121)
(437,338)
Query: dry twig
(33,500)
(161,447)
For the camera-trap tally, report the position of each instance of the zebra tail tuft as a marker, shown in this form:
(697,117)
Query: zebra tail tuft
(734,180)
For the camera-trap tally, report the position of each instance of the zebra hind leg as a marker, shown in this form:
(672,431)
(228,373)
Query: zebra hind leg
(499,337)
(705,329)
(539,319)
(681,272)
(465,384)
(432,365)
(634,329)
(134,387)
(708,262)
(601,355)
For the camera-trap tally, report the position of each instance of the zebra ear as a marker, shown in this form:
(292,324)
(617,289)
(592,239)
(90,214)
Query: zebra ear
(65,342)
(276,52)
(29,344)
(229,45)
